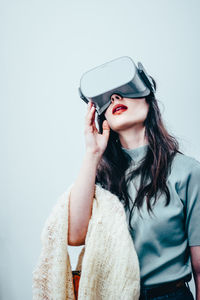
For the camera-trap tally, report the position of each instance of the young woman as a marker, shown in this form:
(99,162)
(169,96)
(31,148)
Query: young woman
(133,156)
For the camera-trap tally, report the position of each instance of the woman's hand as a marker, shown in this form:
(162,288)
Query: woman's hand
(96,143)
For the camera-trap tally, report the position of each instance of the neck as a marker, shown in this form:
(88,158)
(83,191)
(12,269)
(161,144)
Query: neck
(133,137)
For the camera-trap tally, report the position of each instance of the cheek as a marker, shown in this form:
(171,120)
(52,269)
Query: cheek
(143,109)
(108,114)
(147,108)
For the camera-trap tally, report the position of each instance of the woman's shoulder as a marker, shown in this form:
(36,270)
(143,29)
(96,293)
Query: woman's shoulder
(184,165)
(186,161)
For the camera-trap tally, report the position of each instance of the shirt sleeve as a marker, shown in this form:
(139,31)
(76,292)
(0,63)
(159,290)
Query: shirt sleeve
(193,206)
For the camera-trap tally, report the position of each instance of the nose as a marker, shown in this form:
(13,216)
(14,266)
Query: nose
(115,97)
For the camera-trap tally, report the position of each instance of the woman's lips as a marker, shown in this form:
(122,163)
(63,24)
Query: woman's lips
(119,111)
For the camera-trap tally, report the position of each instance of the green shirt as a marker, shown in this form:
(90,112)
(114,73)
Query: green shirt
(162,239)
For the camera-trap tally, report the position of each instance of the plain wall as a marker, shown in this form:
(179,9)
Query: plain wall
(45,48)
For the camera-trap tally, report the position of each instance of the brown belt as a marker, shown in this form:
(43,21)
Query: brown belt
(162,289)
(76,278)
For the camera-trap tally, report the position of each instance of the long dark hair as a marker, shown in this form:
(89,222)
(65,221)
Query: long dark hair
(155,166)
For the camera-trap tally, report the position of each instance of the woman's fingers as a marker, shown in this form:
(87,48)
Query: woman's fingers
(93,114)
(90,116)
(89,105)
(106,128)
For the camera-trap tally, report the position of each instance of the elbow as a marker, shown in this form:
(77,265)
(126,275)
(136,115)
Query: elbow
(75,241)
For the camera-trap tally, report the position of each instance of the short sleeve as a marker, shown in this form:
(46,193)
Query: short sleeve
(193,206)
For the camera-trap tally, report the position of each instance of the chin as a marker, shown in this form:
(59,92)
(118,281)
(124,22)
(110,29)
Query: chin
(118,126)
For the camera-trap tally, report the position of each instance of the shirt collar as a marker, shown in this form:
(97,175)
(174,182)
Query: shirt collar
(137,153)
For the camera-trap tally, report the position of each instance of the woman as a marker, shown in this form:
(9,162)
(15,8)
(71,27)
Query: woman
(133,156)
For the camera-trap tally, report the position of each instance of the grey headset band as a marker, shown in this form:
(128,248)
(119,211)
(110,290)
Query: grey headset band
(146,78)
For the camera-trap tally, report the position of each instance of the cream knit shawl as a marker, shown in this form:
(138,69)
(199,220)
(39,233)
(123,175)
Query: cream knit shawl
(108,261)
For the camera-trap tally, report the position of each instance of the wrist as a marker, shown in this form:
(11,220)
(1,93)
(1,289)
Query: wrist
(92,155)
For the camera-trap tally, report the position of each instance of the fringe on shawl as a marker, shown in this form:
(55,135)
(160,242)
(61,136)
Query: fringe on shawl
(108,262)
(52,276)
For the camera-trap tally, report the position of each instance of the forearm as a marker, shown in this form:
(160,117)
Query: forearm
(195,259)
(197,285)
(81,199)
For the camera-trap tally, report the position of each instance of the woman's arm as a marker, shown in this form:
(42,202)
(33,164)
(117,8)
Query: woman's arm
(80,205)
(82,193)
(195,258)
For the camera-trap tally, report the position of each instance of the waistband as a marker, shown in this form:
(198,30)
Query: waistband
(164,288)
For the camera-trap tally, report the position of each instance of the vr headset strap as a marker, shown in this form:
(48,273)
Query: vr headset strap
(145,77)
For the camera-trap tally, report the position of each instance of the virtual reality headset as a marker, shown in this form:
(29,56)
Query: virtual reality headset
(119,76)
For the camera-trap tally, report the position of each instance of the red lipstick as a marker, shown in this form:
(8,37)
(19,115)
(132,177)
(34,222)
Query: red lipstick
(119,108)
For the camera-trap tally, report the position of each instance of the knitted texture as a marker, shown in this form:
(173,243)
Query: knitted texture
(108,261)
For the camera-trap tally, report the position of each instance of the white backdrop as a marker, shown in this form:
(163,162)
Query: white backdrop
(45,48)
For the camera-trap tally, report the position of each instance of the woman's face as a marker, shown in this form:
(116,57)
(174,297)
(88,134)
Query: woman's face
(133,114)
